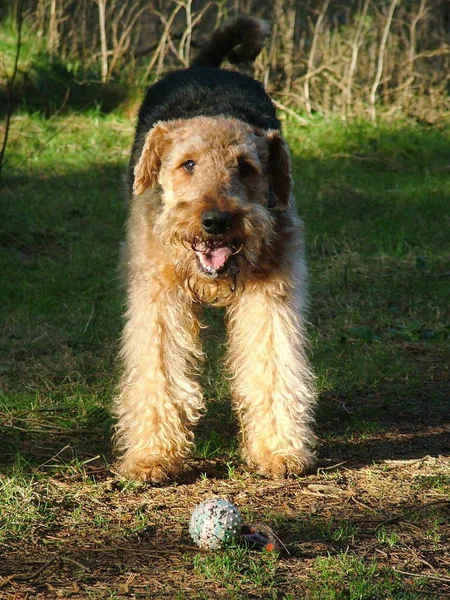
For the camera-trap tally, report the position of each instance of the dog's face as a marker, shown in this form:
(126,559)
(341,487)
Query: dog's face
(219,181)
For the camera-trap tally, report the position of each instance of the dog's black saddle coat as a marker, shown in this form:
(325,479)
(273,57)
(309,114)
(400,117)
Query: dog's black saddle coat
(207,92)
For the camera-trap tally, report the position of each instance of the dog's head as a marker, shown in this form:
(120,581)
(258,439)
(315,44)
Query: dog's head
(221,182)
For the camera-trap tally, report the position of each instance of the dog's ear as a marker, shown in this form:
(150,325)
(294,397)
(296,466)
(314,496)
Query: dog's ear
(279,168)
(147,168)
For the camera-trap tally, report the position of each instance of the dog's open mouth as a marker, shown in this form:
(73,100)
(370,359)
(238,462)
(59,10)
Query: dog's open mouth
(213,255)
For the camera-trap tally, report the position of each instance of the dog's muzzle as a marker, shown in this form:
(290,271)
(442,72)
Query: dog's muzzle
(213,250)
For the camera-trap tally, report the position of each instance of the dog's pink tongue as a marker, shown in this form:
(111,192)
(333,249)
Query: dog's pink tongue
(215,259)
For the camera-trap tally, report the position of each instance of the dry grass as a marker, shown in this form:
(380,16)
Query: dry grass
(360,58)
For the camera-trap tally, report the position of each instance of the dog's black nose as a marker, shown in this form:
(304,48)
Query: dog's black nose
(216,222)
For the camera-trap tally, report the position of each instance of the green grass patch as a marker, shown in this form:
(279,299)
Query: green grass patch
(237,569)
(440,482)
(350,578)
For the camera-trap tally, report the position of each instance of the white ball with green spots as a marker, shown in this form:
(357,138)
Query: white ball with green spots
(215,523)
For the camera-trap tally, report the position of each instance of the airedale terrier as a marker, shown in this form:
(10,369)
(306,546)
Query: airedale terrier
(212,220)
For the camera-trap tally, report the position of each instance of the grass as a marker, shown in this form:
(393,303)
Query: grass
(238,568)
(52,85)
(371,523)
(350,578)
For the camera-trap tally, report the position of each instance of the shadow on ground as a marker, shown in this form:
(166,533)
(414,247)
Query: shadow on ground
(407,430)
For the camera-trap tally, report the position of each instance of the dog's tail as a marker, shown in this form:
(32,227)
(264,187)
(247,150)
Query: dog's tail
(240,40)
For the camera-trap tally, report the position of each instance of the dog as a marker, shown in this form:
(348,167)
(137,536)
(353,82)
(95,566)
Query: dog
(212,221)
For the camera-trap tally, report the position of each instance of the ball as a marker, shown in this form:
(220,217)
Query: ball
(215,523)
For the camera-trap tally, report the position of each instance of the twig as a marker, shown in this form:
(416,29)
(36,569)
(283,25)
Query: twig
(38,572)
(436,577)
(54,456)
(291,112)
(331,467)
(313,52)
(185,43)
(123,43)
(94,306)
(377,79)
(11,82)
(160,49)
(363,158)
(412,48)
(7,580)
(366,506)
(393,464)
(412,511)
(356,44)
(52,29)
(74,562)
(102,25)
(186,38)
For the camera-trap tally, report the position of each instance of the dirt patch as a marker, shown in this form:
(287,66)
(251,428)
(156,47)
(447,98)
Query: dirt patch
(394,512)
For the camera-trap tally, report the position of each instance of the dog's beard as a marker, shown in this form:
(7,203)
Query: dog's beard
(216,290)
(213,269)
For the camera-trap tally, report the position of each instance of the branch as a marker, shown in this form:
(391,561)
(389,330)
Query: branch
(356,44)
(291,112)
(160,49)
(384,38)
(313,52)
(11,82)
(104,49)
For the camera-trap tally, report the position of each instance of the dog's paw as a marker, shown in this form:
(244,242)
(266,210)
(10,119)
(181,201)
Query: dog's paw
(154,472)
(280,466)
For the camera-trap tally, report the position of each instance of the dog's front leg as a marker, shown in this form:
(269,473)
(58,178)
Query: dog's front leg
(272,383)
(159,400)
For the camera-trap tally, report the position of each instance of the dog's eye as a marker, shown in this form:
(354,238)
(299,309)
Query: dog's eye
(245,169)
(189,166)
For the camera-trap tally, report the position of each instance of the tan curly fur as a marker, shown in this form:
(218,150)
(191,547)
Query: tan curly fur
(263,291)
